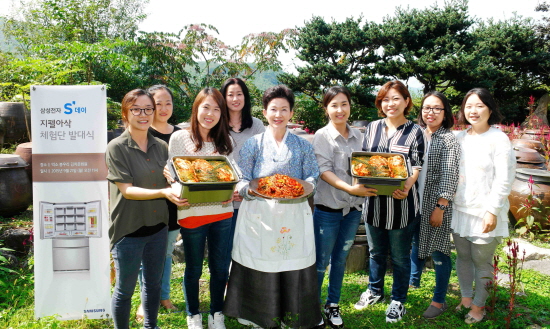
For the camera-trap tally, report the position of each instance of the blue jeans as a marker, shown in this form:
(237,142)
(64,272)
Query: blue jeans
(194,241)
(443,266)
(128,254)
(334,236)
(165,282)
(398,243)
(417,265)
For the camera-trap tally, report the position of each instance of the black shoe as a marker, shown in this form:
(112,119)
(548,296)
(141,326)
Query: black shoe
(332,313)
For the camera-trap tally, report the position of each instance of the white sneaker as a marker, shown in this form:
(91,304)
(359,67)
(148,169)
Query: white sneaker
(395,311)
(216,321)
(194,321)
(248,323)
(367,298)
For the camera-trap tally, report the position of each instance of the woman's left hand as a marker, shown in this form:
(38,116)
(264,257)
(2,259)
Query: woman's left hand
(436,218)
(401,194)
(237,197)
(489,222)
(230,200)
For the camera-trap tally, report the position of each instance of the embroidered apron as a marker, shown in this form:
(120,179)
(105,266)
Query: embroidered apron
(273,236)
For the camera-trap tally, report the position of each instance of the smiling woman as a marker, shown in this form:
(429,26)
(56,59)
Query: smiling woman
(138,212)
(209,221)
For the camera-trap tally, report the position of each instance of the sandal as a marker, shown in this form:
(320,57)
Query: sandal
(469,319)
(462,307)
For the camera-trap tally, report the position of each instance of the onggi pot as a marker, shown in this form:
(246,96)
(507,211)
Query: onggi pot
(15,186)
(520,192)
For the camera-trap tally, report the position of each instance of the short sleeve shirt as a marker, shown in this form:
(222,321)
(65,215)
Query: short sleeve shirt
(127,163)
(385,211)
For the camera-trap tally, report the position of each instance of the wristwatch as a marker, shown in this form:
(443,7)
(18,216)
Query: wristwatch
(442,206)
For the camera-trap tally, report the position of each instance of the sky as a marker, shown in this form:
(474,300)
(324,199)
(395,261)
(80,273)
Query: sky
(238,18)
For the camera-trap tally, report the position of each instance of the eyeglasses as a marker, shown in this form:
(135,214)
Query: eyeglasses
(435,110)
(147,111)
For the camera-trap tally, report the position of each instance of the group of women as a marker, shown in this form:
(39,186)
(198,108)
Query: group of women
(268,258)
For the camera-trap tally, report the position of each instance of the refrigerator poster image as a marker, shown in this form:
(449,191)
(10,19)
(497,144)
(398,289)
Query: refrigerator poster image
(70,202)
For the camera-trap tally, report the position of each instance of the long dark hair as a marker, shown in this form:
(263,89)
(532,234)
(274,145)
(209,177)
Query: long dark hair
(246,113)
(220,132)
(448,120)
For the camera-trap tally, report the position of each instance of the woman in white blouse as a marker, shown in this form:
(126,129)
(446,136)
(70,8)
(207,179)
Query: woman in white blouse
(486,172)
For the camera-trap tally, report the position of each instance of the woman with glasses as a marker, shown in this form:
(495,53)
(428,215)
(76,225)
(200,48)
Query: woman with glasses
(139,215)
(436,188)
(480,214)
(160,128)
(390,219)
(210,221)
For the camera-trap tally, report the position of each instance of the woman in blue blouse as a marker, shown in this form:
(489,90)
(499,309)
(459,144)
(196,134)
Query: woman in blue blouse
(389,219)
(273,278)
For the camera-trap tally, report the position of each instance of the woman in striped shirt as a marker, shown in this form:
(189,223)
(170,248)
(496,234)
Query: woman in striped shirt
(389,219)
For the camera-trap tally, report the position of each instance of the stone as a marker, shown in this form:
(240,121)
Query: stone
(17,239)
(531,252)
(178,256)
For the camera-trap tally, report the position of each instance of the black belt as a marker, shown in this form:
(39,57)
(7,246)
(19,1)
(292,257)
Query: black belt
(327,209)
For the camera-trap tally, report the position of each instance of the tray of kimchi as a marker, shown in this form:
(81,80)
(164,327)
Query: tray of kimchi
(204,178)
(281,187)
(385,172)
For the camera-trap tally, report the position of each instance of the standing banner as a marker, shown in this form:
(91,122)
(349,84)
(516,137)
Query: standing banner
(70,202)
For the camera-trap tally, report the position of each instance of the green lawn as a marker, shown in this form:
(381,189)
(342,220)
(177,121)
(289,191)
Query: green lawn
(532,309)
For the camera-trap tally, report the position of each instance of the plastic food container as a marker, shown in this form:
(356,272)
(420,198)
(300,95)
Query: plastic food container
(202,192)
(384,185)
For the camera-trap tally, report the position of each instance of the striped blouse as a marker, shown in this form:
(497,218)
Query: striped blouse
(385,211)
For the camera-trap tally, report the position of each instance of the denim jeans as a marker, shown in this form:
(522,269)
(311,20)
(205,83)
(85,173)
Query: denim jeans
(334,236)
(194,240)
(165,282)
(128,254)
(398,243)
(443,267)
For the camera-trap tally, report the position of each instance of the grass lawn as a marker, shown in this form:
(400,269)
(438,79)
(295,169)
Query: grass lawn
(532,309)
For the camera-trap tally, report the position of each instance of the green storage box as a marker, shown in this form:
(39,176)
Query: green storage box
(203,192)
(384,185)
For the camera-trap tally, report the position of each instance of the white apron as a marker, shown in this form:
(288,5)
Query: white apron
(274,236)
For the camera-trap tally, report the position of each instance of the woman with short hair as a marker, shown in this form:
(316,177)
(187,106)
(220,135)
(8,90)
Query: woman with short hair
(390,219)
(138,212)
(273,279)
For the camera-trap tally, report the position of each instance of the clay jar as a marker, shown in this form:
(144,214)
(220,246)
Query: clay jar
(528,143)
(16,120)
(528,158)
(541,190)
(534,134)
(15,185)
(24,150)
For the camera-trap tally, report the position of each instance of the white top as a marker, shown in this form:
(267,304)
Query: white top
(486,173)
